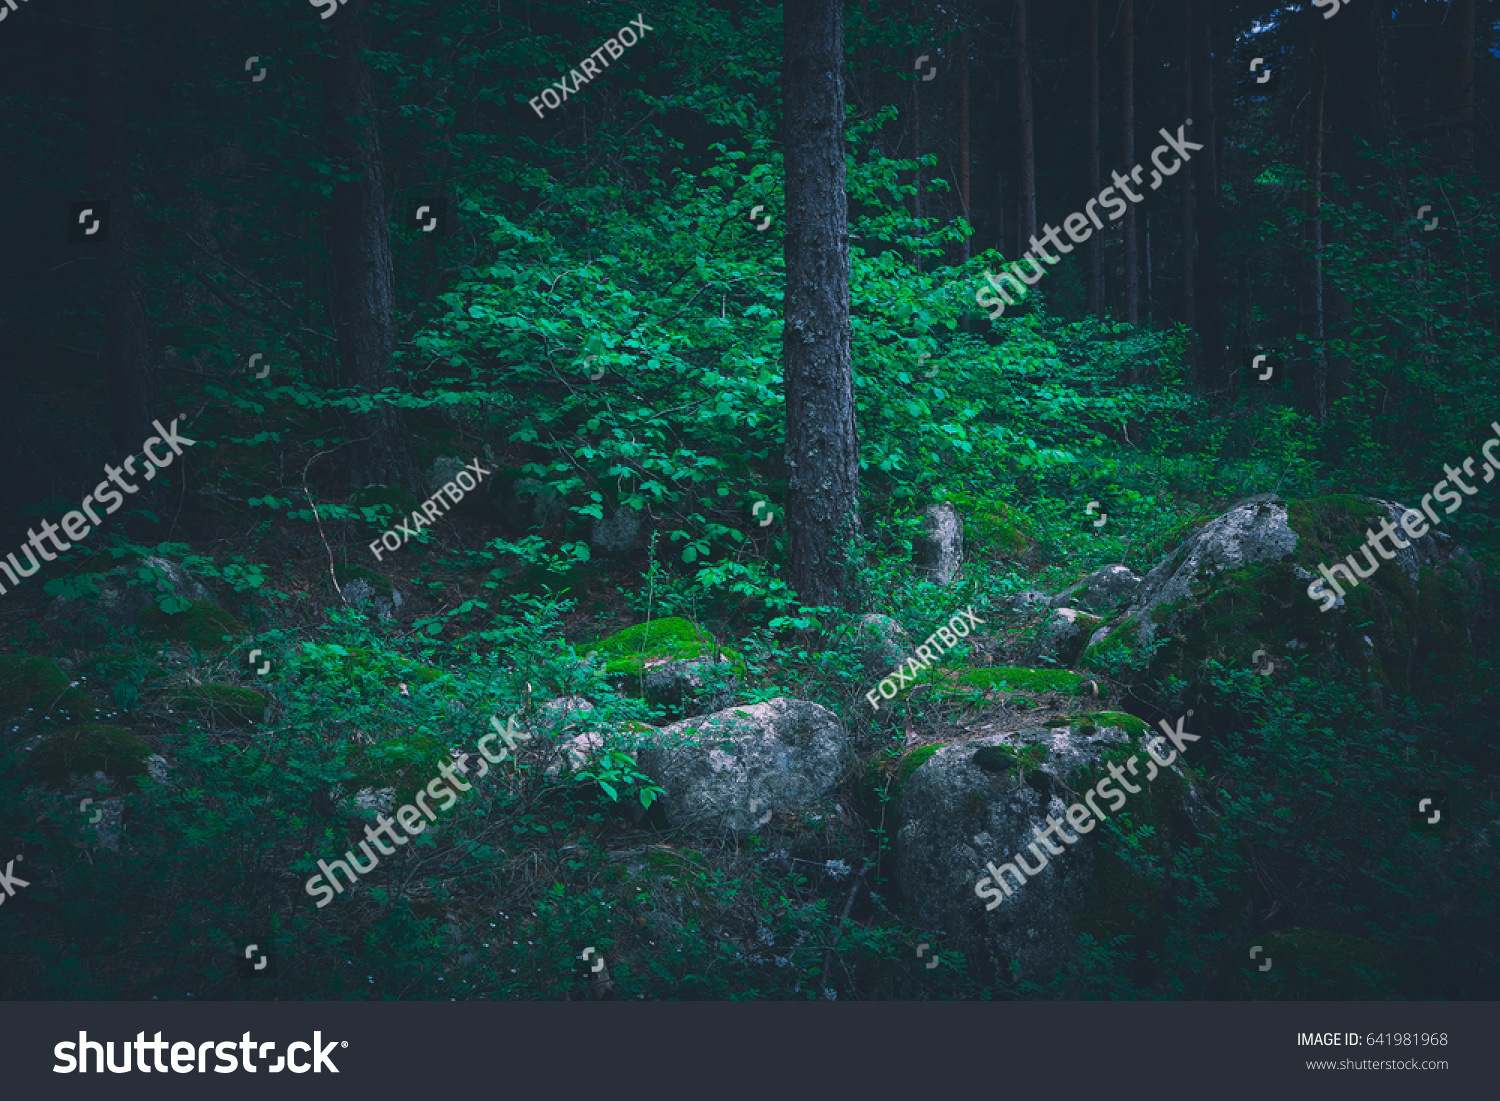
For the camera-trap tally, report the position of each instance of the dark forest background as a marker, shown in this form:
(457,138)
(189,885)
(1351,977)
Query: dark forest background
(831,371)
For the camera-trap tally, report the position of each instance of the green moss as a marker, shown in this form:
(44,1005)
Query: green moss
(87,749)
(203,625)
(915,760)
(631,651)
(37,687)
(1004,758)
(993,525)
(240,705)
(377,582)
(1035,681)
(1085,722)
(405,764)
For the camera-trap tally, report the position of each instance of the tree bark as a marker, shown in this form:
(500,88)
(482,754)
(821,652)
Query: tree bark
(1026,119)
(1313,318)
(1206,184)
(1189,298)
(822,445)
(359,238)
(963,127)
(127,356)
(1096,246)
(1127,157)
(1463,78)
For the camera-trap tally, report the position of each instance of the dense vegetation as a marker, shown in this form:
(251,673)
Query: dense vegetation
(613,236)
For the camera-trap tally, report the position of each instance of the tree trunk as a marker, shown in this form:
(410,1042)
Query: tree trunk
(1028,131)
(1206,185)
(916,145)
(1463,79)
(359,239)
(963,128)
(822,446)
(1096,246)
(1127,158)
(1313,320)
(127,356)
(1189,298)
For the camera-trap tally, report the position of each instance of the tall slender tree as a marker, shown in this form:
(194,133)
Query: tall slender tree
(1127,158)
(1313,319)
(822,446)
(127,357)
(1205,167)
(1463,77)
(1027,121)
(364,279)
(1096,246)
(963,124)
(1189,297)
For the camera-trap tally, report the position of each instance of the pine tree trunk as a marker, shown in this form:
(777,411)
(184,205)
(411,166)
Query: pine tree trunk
(359,238)
(1096,246)
(1463,78)
(127,356)
(963,128)
(1313,321)
(1206,185)
(1127,158)
(822,446)
(1189,298)
(1027,122)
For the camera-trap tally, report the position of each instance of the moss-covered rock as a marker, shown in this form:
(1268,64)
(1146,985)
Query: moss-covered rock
(1001,679)
(993,527)
(92,747)
(1240,584)
(204,625)
(378,583)
(37,687)
(226,702)
(405,764)
(630,652)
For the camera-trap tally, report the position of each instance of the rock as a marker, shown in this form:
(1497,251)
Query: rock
(1063,636)
(691,687)
(79,751)
(523,504)
(1024,603)
(375,800)
(1239,584)
(204,625)
(558,716)
(881,643)
(731,770)
(38,688)
(974,803)
(622,533)
(359,592)
(940,548)
(1101,591)
(124,594)
(443,470)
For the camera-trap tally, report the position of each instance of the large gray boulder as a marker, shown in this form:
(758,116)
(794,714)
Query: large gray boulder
(1062,637)
(881,643)
(940,547)
(981,802)
(734,769)
(620,533)
(125,592)
(1255,531)
(1103,590)
(689,686)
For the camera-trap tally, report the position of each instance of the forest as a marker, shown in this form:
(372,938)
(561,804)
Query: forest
(986,500)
